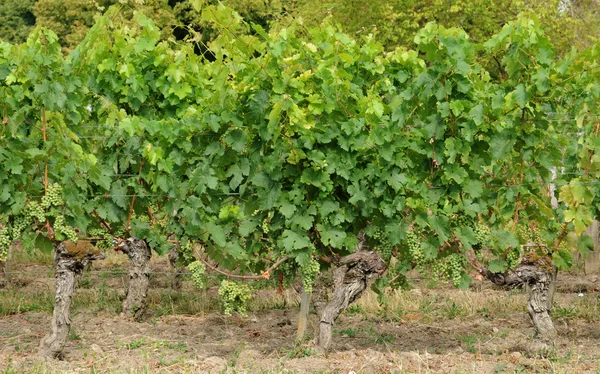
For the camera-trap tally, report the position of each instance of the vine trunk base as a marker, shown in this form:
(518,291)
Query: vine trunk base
(359,268)
(537,273)
(139,276)
(68,264)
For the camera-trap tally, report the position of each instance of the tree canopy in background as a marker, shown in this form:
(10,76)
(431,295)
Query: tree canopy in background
(17,19)
(394,23)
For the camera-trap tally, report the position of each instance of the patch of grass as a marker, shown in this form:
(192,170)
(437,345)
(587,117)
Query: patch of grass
(14,301)
(452,310)
(428,305)
(178,346)
(296,352)
(563,312)
(348,332)
(85,281)
(134,344)
(470,341)
(73,335)
(355,309)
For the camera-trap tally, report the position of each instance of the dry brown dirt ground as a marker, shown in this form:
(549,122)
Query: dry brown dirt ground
(442,331)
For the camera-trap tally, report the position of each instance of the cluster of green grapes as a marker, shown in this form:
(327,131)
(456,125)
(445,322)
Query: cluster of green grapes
(198,271)
(53,196)
(483,234)
(107,241)
(187,252)
(34,210)
(385,247)
(414,247)
(265,226)
(144,218)
(4,243)
(512,257)
(451,267)
(528,234)
(462,220)
(455,268)
(19,224)
(309,274)
(234,297)
(61,227)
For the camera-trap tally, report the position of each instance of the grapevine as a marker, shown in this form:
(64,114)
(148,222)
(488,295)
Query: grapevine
(234,297)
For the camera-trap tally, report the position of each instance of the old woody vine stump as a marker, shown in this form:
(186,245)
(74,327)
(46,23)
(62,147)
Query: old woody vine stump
(536,271)
(360,268)
(139,276)
(69,260)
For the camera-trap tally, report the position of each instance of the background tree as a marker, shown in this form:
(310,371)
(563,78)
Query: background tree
(567,23)
(17,20)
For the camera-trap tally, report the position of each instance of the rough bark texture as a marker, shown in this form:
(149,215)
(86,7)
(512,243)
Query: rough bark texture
(139,276)
(552,288)
(536,272)
(303,317)
(359,269)
(69,262)
(325,286)
(3,274)
(178,270)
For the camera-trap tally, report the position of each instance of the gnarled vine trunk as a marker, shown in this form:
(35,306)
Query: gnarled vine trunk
(536,272)
(69,261)
(359,269)
(139,276)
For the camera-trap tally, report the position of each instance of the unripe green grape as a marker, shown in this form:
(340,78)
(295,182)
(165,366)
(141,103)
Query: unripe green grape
(61,226)
(385,247)
(19,224)
(35,211)
(98,232)
(187,252)
(265,226)
(513,257)
(54,194)
(198,271)
(414,248)
(234,297)
(4,243)
(144,218)
(309,274)
(455,268)
(483,235)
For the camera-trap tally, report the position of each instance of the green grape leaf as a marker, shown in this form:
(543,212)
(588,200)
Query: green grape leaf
(292,241)
(562,259)
(497,266)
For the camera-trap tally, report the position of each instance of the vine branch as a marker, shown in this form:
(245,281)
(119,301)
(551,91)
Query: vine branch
(265,275)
